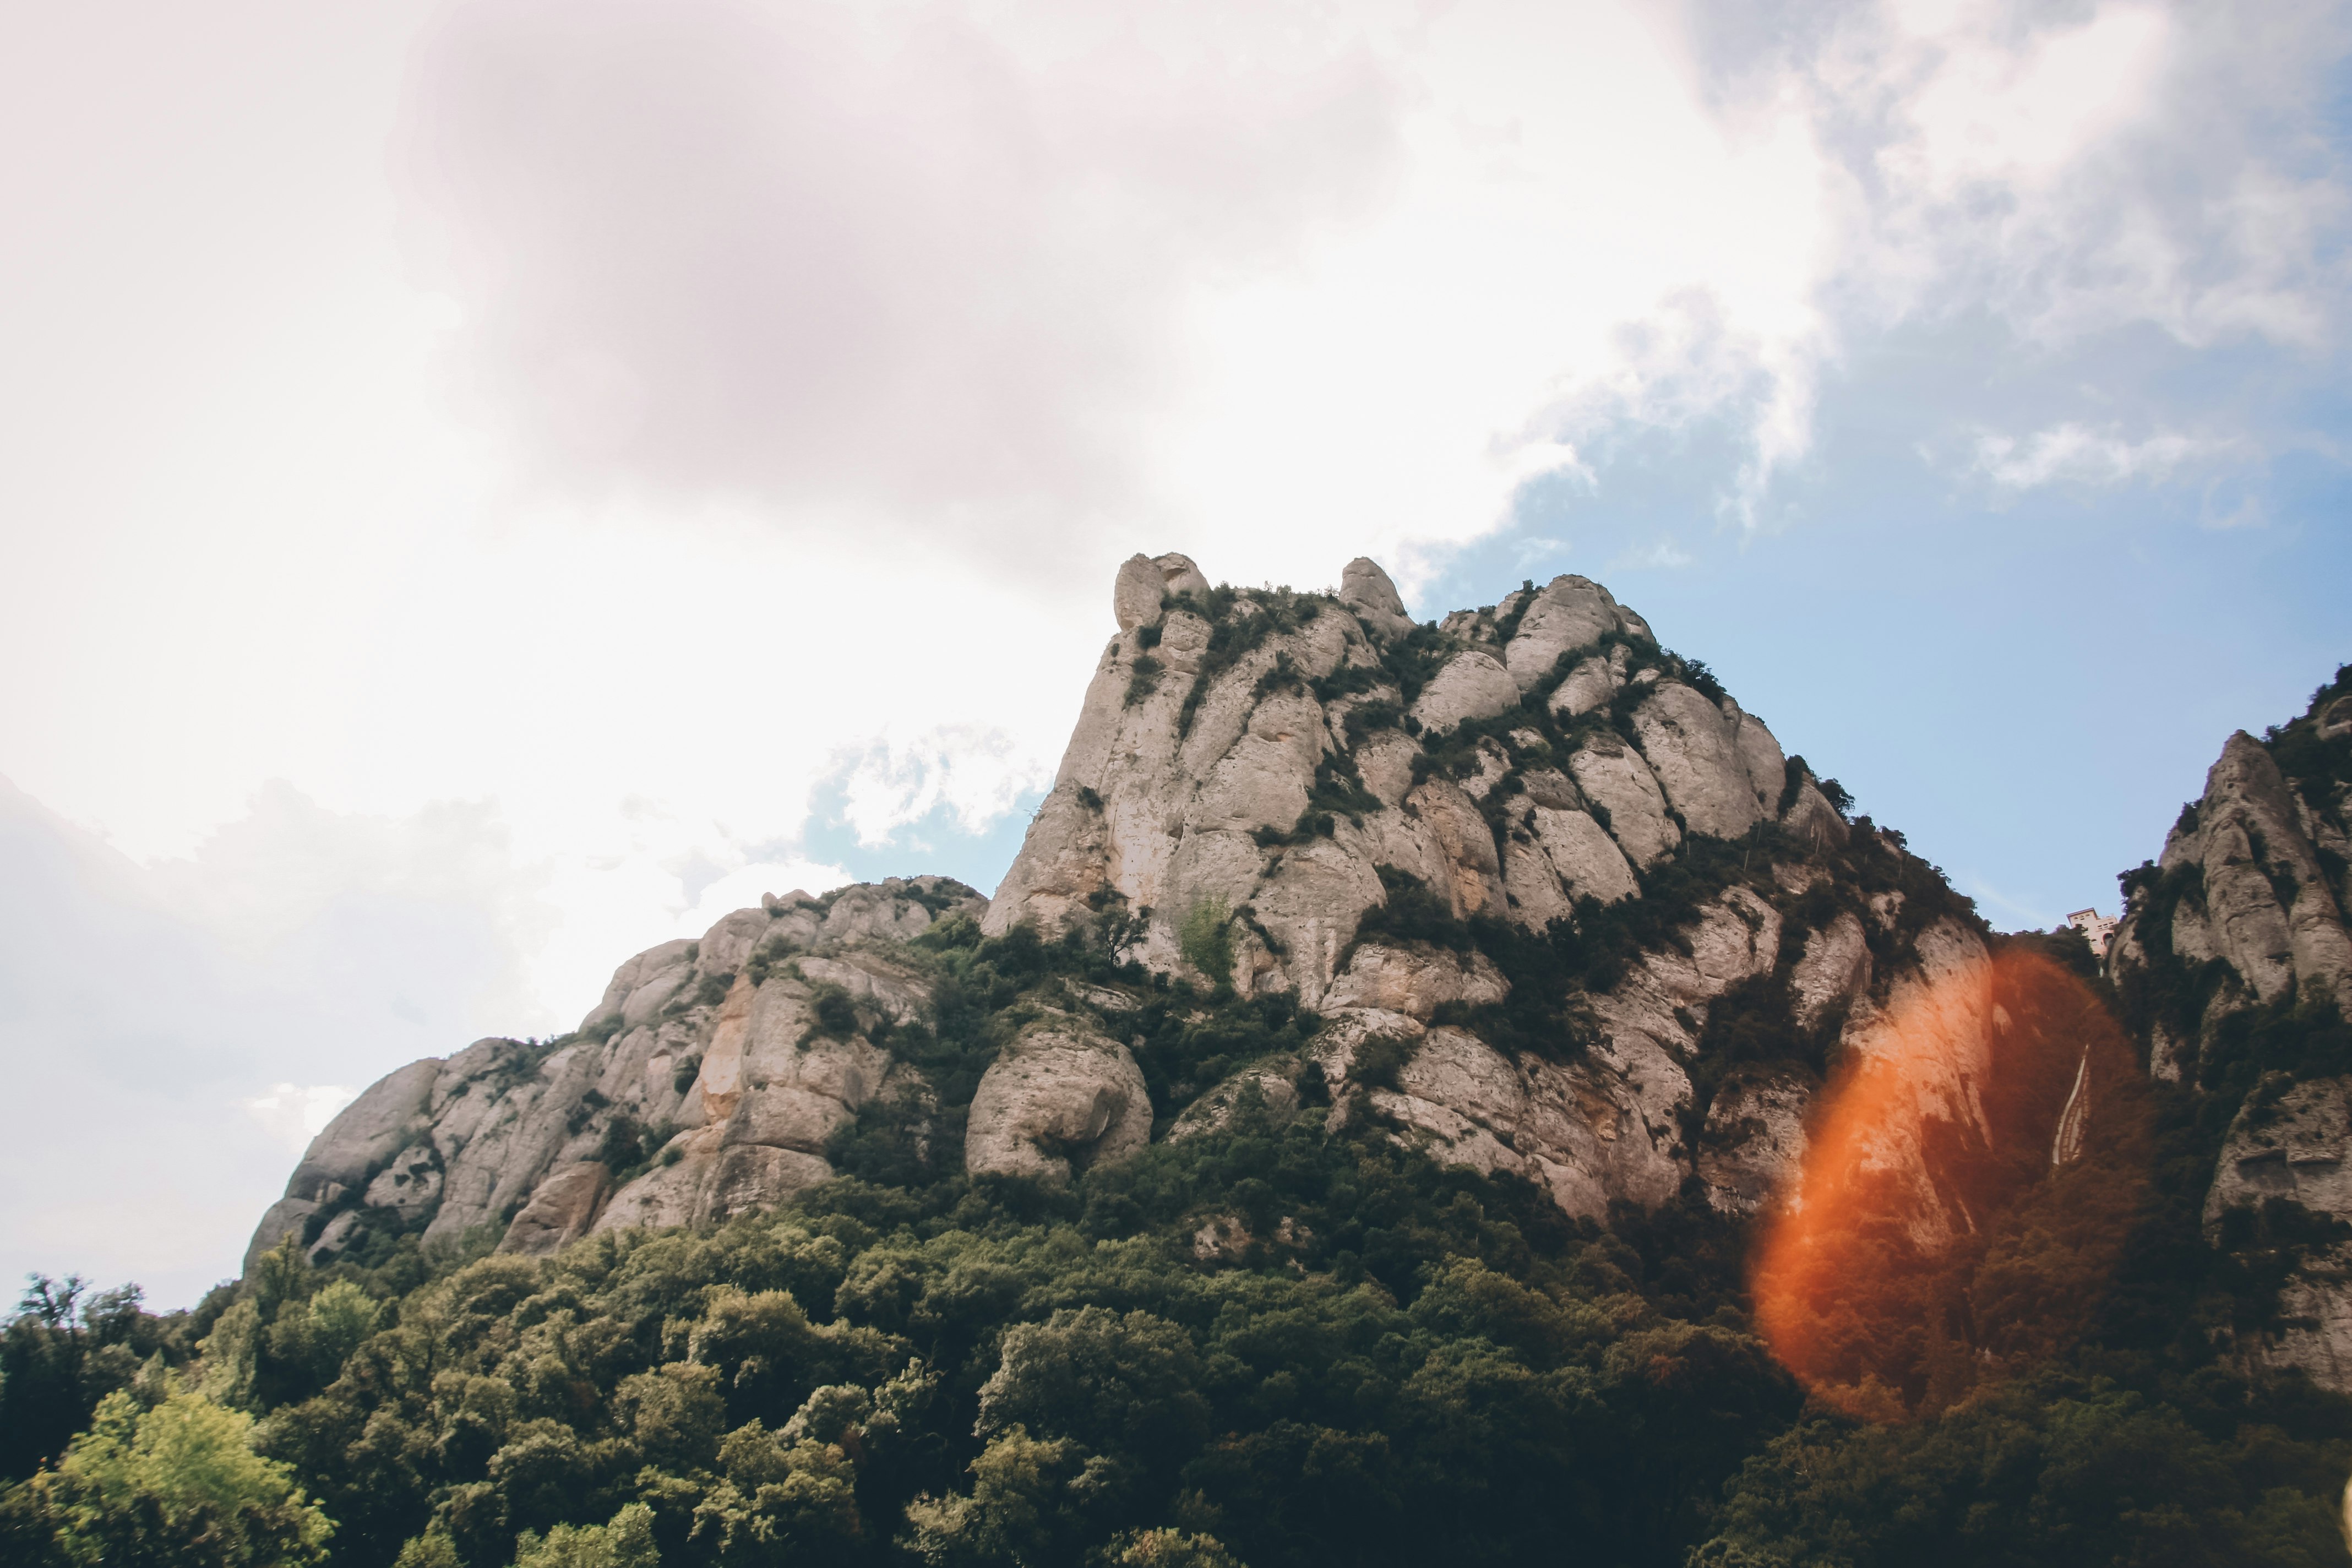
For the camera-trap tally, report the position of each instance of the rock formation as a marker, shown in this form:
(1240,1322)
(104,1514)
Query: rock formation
(2231,961)
(1291,758)
(705,1081)
(2246,905)
(1552,903)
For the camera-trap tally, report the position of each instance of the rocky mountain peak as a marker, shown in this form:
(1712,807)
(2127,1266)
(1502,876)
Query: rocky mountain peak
(1519,886)
(1267,754)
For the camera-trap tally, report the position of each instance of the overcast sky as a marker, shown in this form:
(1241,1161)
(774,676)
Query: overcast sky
(489,487)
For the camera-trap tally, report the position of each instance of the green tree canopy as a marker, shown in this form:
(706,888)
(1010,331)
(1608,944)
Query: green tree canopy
(177,1486)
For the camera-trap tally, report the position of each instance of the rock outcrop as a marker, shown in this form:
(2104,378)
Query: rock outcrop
(705,1081)
(1059,1099)
(1522,870)
(2233,954)
(2244,907)
(1293,759)
(2290,1143)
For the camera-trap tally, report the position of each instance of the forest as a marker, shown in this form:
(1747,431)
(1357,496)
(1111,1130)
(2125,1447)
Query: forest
(1357,1356)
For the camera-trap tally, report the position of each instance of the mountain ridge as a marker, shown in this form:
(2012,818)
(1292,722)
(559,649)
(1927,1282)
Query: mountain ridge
(1525,849)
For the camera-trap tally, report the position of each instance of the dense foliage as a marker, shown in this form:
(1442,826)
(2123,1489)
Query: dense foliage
(1370,1360)
(1272,1345)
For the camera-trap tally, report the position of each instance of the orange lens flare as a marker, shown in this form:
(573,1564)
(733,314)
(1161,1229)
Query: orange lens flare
(1970,1175)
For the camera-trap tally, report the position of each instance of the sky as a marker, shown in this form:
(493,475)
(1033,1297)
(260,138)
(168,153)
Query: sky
(489,487)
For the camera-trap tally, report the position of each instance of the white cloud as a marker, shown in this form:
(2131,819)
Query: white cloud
(978,776)
(2073,172)
(917,264)
(1661,554)
(744,374)
(2013,913)
(167,1060)
(1533,548)
(2076,454)
(1993,109)
(2247,511)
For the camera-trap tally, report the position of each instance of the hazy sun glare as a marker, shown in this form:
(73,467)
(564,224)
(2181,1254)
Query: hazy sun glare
(1973,1173)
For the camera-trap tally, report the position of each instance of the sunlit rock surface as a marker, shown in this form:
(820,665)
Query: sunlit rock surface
(1559,909)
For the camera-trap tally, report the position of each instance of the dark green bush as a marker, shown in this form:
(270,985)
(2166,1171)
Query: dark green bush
(1411,912)
(1145,679)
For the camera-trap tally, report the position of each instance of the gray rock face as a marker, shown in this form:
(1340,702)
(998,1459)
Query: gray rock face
(1135,596)
(1605,1126)
(1588,688)
(1444,840)
(503,1136)
(1695,753)
(1761,755)
(652,978)
(1568,613)
(2242,882)
(1583,856)
(1366,589)
(560,1211)
(349,1152)
(1756,1138)
(1178,576)
(774,1082)
(1471,686)
(1060,1097)
(1812,820)
(366,1133)
(712,1183)
(1270,766)
(410,1186)
(1152,816)
(2245,910)
(1416,981)
(1834,968)
(1274,1085)
(1615,778)
(2292,1142)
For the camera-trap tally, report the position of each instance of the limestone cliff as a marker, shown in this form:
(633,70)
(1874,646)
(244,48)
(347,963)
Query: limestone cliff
(1534,893)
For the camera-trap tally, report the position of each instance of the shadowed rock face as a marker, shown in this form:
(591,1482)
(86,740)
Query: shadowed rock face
(2243,920)
(1526,778)
(2293,1141)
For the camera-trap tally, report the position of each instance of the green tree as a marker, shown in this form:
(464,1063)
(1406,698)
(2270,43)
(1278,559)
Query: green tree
(66,1348)
(1166,1548)
(1018,1510)
(178,1485)
(1205,939)
(626,1542)
(1124,1385)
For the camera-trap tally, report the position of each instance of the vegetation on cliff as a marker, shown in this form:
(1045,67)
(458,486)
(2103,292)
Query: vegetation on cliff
(1273,1343)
